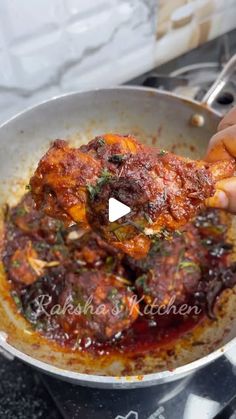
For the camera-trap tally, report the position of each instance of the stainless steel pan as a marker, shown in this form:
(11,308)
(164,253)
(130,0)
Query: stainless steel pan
(155,117)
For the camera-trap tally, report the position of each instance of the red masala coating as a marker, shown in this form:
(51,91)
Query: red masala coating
(174,270)
(60,181)
(21,268)
(162,189)
(33,222)
(105,306)
(43,257)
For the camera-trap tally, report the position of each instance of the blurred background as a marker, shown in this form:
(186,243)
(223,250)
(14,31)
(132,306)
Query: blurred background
(52,47)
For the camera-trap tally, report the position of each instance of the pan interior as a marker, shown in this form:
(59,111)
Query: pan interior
(154,117)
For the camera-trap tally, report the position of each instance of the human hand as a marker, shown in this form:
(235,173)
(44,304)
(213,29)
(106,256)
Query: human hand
(222,146)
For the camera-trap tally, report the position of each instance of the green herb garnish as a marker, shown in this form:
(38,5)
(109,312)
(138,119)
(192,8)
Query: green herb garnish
(61,248)
(141,282)
(189,265)
(102,180)
(16,263)
(80,270)
(121,233)
(104,175)
(110,261)
(207,242)
(117,158)
(59,236)
(178,233)
(162,234)
(101,141)
(40,246)
(93,191)
(28,187)
(120,306)
(158,246)
(112,293)
(20,211)
(17,300)
(162,153)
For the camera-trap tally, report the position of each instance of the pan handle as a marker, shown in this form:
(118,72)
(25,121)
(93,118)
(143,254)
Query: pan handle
(220,82)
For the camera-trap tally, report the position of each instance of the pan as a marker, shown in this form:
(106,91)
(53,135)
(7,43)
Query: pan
(157,118)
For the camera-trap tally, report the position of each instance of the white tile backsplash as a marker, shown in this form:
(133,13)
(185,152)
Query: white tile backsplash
(52,47)
(83,9)
(25,19)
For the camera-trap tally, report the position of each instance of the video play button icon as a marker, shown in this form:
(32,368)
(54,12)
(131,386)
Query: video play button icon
(117,210)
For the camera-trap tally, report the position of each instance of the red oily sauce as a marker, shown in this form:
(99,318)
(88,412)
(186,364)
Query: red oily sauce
(149,302)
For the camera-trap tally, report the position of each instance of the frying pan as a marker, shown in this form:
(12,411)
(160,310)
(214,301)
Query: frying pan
(157,118)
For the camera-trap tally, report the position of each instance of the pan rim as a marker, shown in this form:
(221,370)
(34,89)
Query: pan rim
(109,89)
(117,381)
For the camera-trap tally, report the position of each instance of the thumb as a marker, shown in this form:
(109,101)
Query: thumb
(225,195)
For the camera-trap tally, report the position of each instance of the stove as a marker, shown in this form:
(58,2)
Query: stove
(195,397)
(210,392)
(193,81)
(193,74)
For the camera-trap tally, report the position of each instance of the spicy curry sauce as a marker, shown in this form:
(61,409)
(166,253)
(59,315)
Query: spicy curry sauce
(143,299)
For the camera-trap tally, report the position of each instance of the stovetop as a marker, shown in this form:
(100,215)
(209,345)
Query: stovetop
(192,74)
(199,396)
(27,394)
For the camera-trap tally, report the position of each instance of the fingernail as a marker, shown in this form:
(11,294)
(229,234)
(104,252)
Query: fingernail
(219,200)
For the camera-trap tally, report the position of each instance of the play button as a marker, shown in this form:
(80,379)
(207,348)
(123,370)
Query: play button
(117,210)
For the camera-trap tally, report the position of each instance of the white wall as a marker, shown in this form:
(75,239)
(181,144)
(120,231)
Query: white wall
(49,47)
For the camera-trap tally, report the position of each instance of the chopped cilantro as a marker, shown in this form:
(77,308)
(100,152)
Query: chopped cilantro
(16,263)
(109,263)
(105,175)
(101,141)
(17,300)
(80,270)
(121,233)
(109,260)
(207,242)
(162,234)
(112,293)
(141,282)
(158,246)
(61,248)
(59,237)
(117,158)
(120,305)
(178,233)
(40,245)
(20,211)
(162,153)
(189,265)
(40,326)
(92,191)
(102,180)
